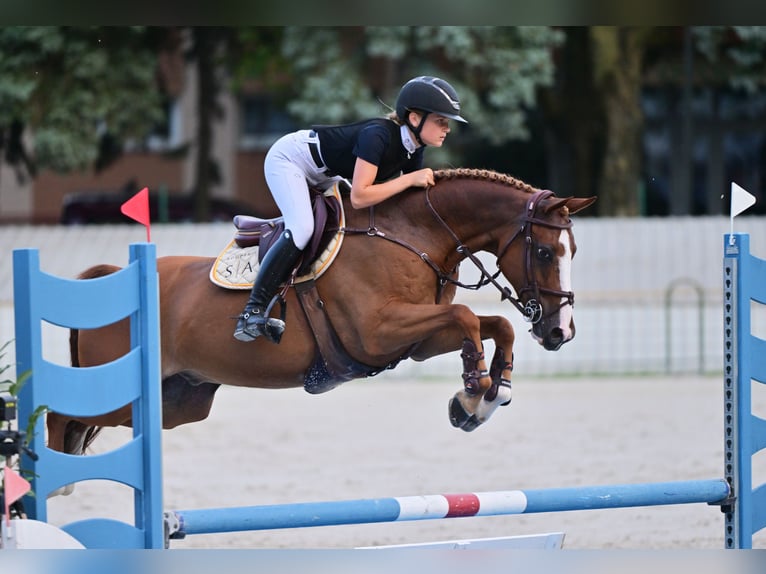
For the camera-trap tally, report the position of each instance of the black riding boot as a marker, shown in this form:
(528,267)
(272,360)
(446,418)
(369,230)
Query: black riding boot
(275,268)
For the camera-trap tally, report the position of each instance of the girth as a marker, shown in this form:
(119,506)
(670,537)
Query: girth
(332,364)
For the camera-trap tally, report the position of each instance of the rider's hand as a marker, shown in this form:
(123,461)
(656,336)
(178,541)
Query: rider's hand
(422,177)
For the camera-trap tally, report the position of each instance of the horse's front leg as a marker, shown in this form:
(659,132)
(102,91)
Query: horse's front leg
(474,405)
(468,409)
(440,329)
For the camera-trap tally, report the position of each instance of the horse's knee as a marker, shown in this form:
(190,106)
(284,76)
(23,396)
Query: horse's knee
(500,329)
(462,315)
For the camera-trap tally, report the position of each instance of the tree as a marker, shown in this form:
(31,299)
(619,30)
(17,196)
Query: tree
(618,68)
(594,114)
(76,94)
(207,44)
(345,74)
(736,55)
(225,59)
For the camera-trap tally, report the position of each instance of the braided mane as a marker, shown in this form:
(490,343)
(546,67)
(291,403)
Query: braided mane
(484,174)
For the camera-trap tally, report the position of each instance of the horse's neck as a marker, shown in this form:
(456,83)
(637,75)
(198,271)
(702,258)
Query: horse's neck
(470,210)
(405,216)
(475,210)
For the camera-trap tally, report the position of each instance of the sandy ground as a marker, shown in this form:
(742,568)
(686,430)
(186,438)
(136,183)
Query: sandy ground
(386,437)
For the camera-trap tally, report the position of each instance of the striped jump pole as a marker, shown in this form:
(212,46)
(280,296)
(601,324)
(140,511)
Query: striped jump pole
(428,507)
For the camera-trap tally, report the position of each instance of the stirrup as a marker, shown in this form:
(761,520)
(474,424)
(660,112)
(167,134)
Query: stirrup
(272,329)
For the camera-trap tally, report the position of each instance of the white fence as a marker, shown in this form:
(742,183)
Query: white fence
(648,291)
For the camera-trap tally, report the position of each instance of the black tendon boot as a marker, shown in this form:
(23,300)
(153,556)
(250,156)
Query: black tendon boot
(275,269)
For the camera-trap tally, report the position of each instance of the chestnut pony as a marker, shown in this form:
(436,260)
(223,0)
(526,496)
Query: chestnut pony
(388,295)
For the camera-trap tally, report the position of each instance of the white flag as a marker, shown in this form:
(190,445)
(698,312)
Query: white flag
(740,199)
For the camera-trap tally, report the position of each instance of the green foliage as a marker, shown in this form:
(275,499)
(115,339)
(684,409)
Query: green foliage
(10,385)
(69,86)
(254,54)
(14,387)
(738,53)
(333,88)
(496,70)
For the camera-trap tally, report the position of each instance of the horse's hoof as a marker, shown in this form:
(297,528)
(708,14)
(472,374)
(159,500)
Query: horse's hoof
(460,418)
(457,414)
(471,424)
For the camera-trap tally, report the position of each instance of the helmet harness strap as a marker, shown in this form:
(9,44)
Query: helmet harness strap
(417,130)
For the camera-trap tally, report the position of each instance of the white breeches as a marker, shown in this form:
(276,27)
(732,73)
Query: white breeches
(289,170)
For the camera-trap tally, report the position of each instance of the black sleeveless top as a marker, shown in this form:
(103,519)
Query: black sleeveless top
(377,141)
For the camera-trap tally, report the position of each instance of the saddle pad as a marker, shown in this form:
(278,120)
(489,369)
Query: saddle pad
(236,267)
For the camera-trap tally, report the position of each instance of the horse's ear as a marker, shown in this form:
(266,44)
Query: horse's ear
(576,204)
(555,203)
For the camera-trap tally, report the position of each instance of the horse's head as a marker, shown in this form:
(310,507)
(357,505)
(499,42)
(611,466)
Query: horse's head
(536,257)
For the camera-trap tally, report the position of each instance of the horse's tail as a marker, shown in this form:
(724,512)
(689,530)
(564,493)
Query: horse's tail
(79,436)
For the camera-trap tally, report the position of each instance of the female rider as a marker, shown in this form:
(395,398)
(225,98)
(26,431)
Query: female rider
(381,157)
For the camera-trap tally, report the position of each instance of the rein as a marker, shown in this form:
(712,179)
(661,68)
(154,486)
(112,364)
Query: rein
(532,310)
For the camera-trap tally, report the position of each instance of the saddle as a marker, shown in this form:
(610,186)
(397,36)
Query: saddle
(252,231)
(237,266)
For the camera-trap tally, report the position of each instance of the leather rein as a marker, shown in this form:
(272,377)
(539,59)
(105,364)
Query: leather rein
(532,310)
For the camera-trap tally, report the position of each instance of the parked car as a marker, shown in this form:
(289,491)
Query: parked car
(104,207)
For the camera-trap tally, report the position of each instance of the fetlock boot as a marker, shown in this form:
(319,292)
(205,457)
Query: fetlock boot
(275,268)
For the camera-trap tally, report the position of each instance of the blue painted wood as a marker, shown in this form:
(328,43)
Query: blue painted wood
(744,362)
(133,293)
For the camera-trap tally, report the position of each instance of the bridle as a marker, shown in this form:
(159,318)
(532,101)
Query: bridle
(532,310)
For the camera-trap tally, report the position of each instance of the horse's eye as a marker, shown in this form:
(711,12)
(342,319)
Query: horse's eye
(544,254)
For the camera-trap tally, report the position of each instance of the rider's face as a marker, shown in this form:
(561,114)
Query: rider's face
(435,129)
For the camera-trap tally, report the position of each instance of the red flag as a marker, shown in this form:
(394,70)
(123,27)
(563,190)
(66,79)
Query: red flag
(14,488)
(137,208)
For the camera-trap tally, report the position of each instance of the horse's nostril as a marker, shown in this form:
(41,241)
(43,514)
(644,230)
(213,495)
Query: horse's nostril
(555,339)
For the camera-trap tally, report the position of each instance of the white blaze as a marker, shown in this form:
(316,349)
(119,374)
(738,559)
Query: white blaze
(565,280)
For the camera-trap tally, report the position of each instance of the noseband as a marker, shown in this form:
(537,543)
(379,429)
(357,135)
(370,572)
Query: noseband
(532,310)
